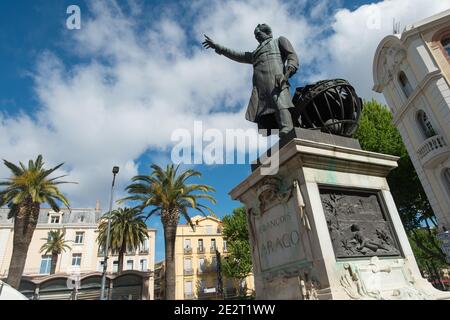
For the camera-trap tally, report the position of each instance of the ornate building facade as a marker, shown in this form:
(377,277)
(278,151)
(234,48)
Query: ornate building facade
(196,262)
(412,70)
(83,261)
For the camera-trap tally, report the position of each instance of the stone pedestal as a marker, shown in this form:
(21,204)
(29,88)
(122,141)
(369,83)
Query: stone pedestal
(326,227)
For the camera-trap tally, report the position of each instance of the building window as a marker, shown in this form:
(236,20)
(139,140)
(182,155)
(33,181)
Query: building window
(130,264)
(201,265)
(131,250)
(79,236)
(100,266)
(187,246)
(446,45)
(425,124)
(202,286)
(201,248)
(213,244)
(446,174)
(214,263)
(116,266)
(46,263)
(188,289)
(144,247)
(404,83)
(187,264)
(225,248)
(143,264)
(55,219)
(76,260)
(101,250)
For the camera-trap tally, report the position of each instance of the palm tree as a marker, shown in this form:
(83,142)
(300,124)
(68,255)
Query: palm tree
(24,193)
(128,231)
(55,245)
(168,195)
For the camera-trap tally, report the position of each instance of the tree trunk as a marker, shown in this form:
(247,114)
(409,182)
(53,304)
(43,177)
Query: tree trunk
(122,250)
(170,222)
(24,225)
(54,263)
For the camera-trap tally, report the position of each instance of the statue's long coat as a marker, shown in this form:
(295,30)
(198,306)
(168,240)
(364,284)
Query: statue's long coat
(269,59)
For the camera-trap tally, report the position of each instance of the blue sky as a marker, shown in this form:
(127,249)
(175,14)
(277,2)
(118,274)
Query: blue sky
(112,92)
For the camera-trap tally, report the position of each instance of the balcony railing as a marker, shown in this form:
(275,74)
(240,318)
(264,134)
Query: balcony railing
(212,250)
(433,145)
(230,292)
(188,296)
(100,253)
(187,250)
(205,270)
(188,272)
(200,250)
(144,251)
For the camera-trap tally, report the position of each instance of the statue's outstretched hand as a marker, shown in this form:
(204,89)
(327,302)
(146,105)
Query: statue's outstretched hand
(209,43)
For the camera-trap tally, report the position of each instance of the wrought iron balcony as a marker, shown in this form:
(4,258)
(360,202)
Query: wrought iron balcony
(432,149)
(188,272)
(207,269)
(187,250)
(200,250)
(230,292)
(212,250)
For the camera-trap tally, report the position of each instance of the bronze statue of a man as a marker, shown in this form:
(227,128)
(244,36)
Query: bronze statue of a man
(274,62)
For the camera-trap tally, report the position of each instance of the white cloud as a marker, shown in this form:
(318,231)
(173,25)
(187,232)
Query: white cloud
(350,50)
(139,81)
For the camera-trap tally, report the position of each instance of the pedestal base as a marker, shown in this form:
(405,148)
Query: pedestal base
(326,227)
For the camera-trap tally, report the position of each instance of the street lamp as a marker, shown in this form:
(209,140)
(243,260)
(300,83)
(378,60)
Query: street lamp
(115,171)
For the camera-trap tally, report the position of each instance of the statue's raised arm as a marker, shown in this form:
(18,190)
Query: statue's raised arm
(274,62)
(242,57)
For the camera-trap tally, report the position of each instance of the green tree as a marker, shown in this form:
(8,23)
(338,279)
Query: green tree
(426,259)
(55,245)
(167,193)
(24,193)
(128,231)
(377,133)
(237,264)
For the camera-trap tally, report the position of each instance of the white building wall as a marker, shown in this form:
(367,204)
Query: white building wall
(431,93)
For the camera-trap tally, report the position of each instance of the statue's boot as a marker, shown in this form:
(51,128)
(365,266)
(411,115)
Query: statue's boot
(284,121)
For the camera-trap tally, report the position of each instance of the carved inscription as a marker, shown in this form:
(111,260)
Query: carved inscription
(357,225)
(279,238)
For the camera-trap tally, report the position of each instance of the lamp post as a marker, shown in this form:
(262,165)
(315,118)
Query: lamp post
(115,171)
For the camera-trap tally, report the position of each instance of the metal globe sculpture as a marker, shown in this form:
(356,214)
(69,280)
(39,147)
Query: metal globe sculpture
(331,106)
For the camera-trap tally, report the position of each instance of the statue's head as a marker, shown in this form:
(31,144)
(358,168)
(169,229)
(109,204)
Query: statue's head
(263,32)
